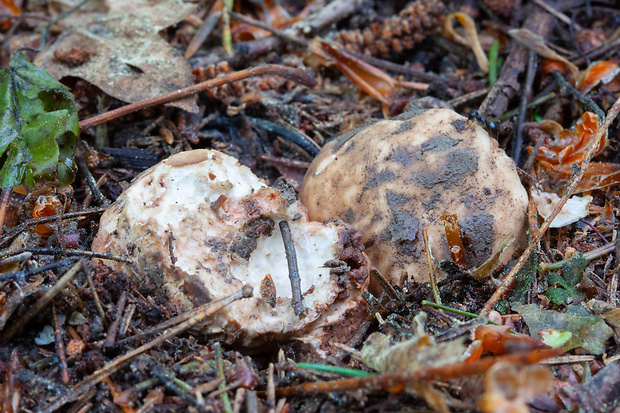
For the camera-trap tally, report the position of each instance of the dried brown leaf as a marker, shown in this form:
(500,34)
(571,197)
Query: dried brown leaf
(128,60)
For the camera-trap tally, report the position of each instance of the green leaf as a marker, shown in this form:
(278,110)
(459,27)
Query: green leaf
(587,330)
(563,288)
(38,126)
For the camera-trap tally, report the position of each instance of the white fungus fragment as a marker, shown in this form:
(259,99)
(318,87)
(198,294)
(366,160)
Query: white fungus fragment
(199,226)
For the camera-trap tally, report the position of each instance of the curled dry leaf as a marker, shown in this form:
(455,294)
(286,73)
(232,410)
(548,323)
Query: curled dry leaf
(128,59)
(199,226)
(370,79)
(575,208)
(508,388)
(9,7)
(536,43)
(598,72)
(471,37)
(567,147)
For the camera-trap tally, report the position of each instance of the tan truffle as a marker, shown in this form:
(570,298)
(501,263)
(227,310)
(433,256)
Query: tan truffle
(395,177)
(199,226)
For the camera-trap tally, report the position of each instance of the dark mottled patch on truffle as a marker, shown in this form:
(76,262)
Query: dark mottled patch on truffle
(410,114)
(404,127)
(478,237)
(244,245)
(349,216)
(457,165)
(404,226)
(287,191)
(439,144)
(342,139)
(404,156)
(374,179)
(460,125)
(430,202)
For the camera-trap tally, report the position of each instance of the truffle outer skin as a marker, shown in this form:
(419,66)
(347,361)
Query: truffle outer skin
(199,226)
(395,177)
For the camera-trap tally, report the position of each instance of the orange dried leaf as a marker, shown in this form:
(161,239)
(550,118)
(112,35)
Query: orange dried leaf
(508,388)
(547,66)
(498,340)
(46,206)
(602,71)
(370,79)
(453,236)
(9,7)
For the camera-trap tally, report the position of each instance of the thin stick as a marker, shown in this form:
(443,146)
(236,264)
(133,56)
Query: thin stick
(203,312)
(113,330)
(42,302)
(60,348)
(90,180)
(219,365)
(27,273)
(580,96)
(30,222)
(408,377)
(271,389)
(70,253)
(385,284)
(431,268)
(304,77)
(592,148)
(278,33)
(93,291)
(527,88)
(293,269)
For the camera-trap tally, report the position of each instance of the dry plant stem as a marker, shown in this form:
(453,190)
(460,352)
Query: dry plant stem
(6,193)
(113,330)
(28,223)
(461,100)
(385,284)
(401,69)
(90,180)
(586,101)
(93,291)
(70,253)
(201,313)
(278,33)
(271,389)
(293,269)
(431,268)
(560,16)
(507,85)
(304,77)
(592,147)
(42,302)
(60,348)
(20,275)
(527,89)
(408,377)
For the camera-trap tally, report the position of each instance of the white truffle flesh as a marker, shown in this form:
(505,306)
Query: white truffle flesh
(199,226)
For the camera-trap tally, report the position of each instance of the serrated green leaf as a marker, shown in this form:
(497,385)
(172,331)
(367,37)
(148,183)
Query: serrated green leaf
(38,126)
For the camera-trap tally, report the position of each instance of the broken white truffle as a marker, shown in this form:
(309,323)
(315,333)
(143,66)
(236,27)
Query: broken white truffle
(199,226)
(392,179)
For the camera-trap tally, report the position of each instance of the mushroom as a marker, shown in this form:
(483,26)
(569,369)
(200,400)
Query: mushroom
(394,178)
(198,226)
